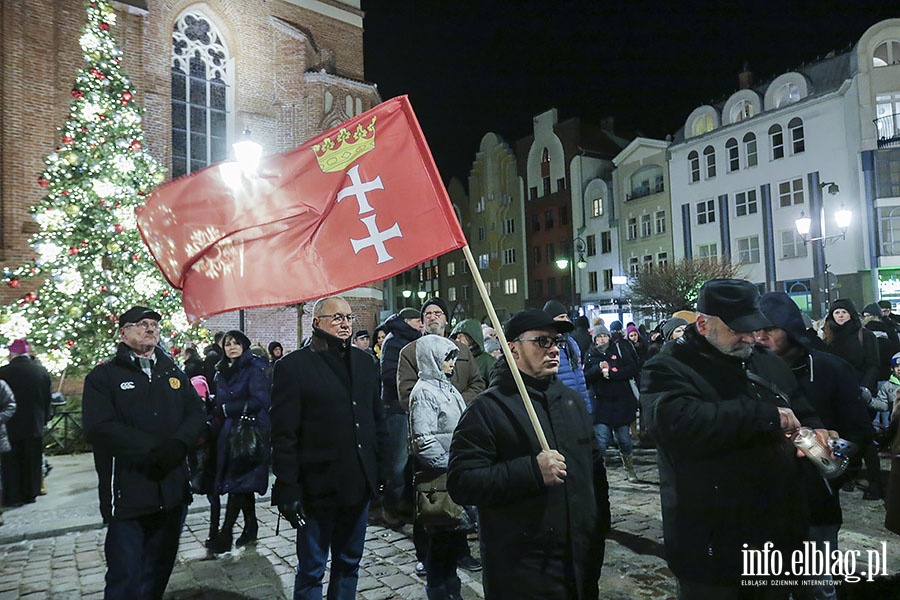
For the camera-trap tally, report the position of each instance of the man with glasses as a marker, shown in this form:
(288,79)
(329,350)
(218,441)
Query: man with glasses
(544,514)
(722,411)
(327,445)
(466,379)
(142,410)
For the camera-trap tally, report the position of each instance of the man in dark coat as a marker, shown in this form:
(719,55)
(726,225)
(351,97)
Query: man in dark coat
(22,466)
(142,410)
(829,383)
(730,479)
(544,514)
(327,439)
(402,328)
(212,354)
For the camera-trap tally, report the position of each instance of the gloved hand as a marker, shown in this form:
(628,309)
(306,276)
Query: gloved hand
(293,513)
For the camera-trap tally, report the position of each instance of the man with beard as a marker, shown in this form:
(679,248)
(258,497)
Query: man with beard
(721,411)
(327,440)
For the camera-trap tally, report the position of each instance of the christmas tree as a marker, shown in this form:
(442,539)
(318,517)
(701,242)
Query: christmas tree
(91,263)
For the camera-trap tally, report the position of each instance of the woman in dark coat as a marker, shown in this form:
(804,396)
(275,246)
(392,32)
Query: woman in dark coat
(607,369)
(846,337)
(242,388)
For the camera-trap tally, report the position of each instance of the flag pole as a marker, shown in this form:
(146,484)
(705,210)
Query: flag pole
(507,354)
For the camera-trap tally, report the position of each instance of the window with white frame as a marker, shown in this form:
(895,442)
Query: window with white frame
(634,267)
(792,245)
(451,269)
(748,249)
(787,94)
(708,252)
(463,266)
(648,262)
(887,113)
(465,292)
(451,294)
(509,256)
(479,207)
(605,242)
(593,283)
(662,259)
(200,102)
(889,227)
(660,221)
(646,225)
(484,261)
(750,155)
(795,129)
(741,110)
(886,53)
(597,207)
(694,164)
(734,155)
(706,212)
(590,242)
(509,226)
(709,158)
(510,286)
(703,124)
(790,192)
(482,233)
(776,139)
(632,228)
(607,280)
(745,203)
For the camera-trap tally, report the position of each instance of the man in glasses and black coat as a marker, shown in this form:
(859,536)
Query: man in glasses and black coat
(544,514)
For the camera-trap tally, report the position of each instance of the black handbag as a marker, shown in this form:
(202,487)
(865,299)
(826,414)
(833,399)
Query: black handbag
(434,506)
(200,464)
(248,444)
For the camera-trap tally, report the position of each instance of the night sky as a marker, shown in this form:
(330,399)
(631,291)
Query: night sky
(473,66)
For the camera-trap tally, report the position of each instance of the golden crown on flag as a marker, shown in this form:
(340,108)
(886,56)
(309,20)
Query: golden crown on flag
(346,147)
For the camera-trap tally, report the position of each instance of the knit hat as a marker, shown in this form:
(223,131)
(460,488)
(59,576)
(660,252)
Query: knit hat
(598,329)
(555,308)
(846,304)
(436,302)
(631,328)
(885,304)
(872,309)
(688,315)
(895,360)
(785,314)
(273,345)
(20,346)
(670,326)
(616,326)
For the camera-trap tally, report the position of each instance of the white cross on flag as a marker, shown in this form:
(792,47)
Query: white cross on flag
(357,204)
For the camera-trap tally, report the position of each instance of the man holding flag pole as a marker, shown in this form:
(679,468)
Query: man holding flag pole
(354,205)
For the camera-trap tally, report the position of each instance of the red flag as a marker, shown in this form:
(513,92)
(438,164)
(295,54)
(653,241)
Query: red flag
(357,204)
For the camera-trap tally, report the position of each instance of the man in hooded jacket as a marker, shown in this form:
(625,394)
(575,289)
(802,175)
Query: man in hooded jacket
(470,333)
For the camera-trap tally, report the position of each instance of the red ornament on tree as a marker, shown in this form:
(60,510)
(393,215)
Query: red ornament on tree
(77,93)
(68,139)
(43,182)
(73,250)
(165,293)
(104,26)
(135,145)
(84,243)
(135,256)
(104,289)
(65,192)
(13,283)
(70,343)
(119,228)
(30,297)
(126,98)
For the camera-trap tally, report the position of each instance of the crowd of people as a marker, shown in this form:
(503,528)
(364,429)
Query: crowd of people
(429,424)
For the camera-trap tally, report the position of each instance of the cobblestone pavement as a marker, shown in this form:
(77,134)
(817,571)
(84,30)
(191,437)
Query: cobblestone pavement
(51,562)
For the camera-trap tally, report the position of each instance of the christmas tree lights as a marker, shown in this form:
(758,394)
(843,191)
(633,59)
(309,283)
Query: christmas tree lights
(91,264)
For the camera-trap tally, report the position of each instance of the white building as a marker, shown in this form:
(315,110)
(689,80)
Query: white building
(742,172)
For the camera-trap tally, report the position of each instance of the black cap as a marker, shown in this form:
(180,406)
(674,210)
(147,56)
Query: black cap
(138,313)
(409,313)
(735,301)
(362,333)
(529,319)
(437,302)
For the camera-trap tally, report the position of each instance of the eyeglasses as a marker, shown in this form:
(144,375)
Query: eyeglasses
(545,341)
(146,324)
(433,313)
(338,318)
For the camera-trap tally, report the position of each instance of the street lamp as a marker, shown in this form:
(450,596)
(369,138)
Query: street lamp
(421,294)
(842,217)
(579,247)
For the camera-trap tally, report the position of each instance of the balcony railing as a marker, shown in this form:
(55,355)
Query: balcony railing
(646,190)
(888,128)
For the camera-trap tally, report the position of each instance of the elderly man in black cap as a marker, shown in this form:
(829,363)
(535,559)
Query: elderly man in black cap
(829,383)
(721,411)
(141,409)
(544,513)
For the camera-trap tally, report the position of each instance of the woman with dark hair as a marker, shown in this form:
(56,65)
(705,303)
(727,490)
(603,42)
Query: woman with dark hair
(380,334)
(242,388)
(846,337)
(193,364)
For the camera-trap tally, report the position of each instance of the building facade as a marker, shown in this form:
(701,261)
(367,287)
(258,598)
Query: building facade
(206,72)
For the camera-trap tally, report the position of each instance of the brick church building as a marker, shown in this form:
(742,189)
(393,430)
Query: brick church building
(206,72)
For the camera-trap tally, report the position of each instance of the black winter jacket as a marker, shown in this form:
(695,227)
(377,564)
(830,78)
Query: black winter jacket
(327,428)
(400,333)
(126,415)
(728,475)
(30,383)
(613,399)
(493,466)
